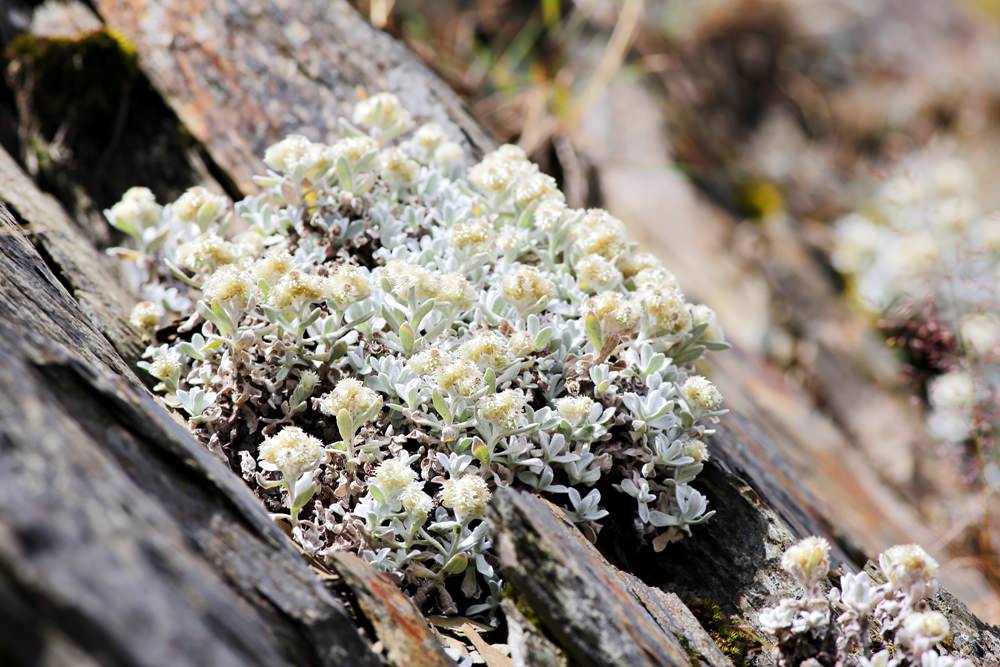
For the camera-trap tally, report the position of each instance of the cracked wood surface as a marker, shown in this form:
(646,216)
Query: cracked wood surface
(243,74)
(597,615)
(122,540)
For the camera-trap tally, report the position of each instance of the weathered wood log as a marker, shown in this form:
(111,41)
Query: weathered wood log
(120,531)
(598,615)
(124,542)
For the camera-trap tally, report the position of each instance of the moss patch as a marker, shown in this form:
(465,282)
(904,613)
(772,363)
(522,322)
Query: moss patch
(738,642)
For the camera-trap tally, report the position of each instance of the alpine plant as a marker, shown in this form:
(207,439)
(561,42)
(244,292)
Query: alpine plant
(383,336)
(862,622)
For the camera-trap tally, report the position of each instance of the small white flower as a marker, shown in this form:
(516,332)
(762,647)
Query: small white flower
(228,284)
(596,274)
(292,452)
(981,333)
(353,397)
(414,500)
(137,210)
(808,561)
(526,287)
(700,392)
(476,236)
(466,496)
(954,390)
(394,475)
(576,410)
(145,316)
(382,112)
(910,569)
(199,205)
(616,313)
(505,409)
(488,349)
(462,376)
(348,285)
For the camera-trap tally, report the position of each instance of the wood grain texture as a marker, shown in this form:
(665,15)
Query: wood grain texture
(243,74)
(583,601)
(122,540)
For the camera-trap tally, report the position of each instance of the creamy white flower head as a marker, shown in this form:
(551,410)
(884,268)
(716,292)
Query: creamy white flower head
(488,349)
(394,475)
(910,569)
(916,254)
(513,239)
(289,154)
(397,167)
(701,393)
(923,630)
(522,343)
(429,136)
(383,112)
(352,149)
(575,409)
(656,278)
(475,236)
(952,177)
(981,333)
(697,450)
(291,451)
(466,496)
(272,266)
(429,361)
(199,205)
(616,313)
(145,316)
(165,366)
(550,215)
(348,285)
(634,262)
(351,396)
(491,176)
(953,391)
(297,287)
(534,188)
(808,561)
(525,287)
(228,284)
(955,213)
(402,277)
(453,288)
(701,314)
(414,500)
(206,253)
(448,153)
(462,377)
(600,233)
(137,209)
(666,312)
(596,274)
(504,409)
(856,242)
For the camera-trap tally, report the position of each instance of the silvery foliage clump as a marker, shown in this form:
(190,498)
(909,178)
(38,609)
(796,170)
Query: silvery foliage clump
(861,623)
(383,336)
(926,244)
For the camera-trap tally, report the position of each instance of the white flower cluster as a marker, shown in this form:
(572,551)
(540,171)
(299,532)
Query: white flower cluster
(837,625)
(391,336)
(925,250)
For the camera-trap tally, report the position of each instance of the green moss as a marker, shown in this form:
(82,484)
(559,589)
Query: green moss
(77,83)
(736,640)
(761,199)
(523,607)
